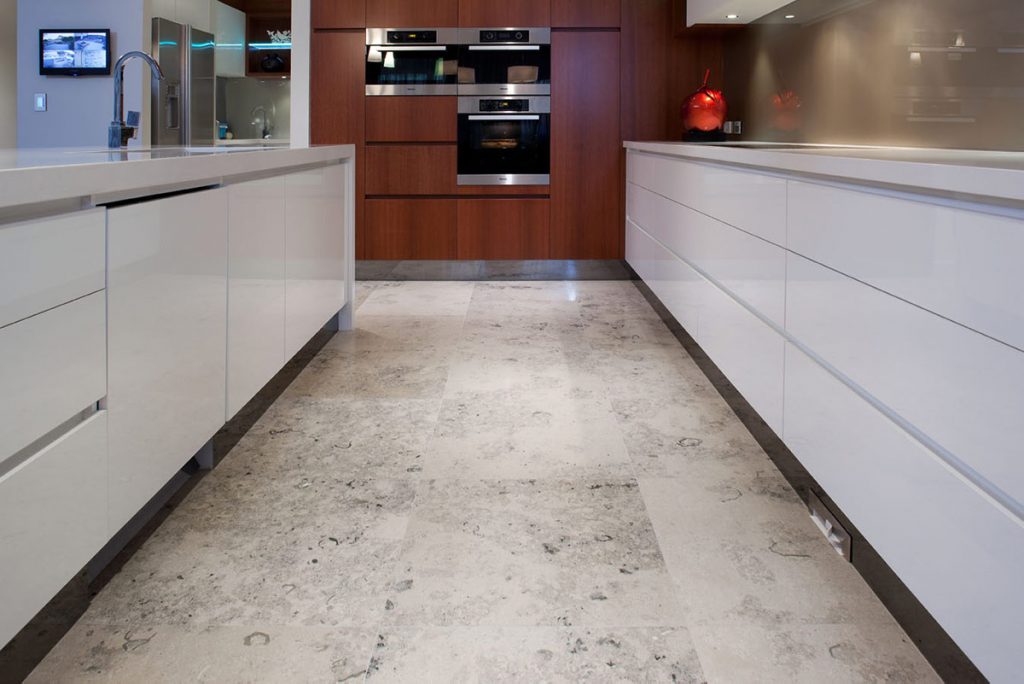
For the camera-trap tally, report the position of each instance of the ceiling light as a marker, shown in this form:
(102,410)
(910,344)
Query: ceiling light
(732,16)
(791,16)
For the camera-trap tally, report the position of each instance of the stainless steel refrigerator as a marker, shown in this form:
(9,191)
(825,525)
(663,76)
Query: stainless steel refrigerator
(184,103)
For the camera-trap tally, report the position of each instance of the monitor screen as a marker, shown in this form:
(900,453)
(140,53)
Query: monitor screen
(74,52)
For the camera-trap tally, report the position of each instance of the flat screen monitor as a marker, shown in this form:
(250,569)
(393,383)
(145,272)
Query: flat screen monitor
(74,52)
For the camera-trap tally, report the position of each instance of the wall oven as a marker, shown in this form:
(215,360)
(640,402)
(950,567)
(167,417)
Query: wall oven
(412,61)
(504,140)
(500,61)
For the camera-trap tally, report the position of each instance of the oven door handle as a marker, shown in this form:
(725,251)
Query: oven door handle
(504,48)
(505,117)
(411,48)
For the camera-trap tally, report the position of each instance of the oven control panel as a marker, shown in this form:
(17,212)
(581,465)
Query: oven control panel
(412,37)
(509,36)
(504,105)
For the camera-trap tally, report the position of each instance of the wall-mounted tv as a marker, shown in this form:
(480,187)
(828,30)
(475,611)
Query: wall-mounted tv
(74,52)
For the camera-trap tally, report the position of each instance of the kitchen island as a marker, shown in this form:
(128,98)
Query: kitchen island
(866,303)
(146,297)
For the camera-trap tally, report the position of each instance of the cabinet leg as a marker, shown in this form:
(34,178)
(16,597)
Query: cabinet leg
(345,318)
(204,457)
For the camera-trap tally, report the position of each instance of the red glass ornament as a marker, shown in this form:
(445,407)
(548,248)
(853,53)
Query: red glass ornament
(704,110)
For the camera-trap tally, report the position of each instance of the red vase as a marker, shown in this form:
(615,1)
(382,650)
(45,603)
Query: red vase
(705,109)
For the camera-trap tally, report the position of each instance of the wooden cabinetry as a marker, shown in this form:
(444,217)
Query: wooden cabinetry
(504,12)
(339,14)
(503,228)
(411,229)
(412,13)
(586,167)
(411,119)
(586,13)
(411,170)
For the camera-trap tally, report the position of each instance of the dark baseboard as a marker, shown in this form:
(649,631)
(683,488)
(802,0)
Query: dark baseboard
(931,639)
(596,269)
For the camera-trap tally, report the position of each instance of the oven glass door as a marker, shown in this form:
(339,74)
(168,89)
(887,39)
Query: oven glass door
(505,69)
(411,69)
(504,149)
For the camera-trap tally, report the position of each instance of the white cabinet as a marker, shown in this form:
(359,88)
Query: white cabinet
(719,11)
(167,329)
(958,553)
(256,287)
(53,519)
(315,252)
(229,34)
(47,262)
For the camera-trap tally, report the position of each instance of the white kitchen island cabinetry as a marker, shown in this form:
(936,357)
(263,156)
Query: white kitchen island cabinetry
(866,302)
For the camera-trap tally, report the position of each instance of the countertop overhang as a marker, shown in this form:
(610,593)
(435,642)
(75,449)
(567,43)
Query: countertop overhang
(972,175)
(41,175)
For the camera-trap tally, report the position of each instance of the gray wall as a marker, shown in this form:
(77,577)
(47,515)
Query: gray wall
(236,98)
(80,109)
(8,74)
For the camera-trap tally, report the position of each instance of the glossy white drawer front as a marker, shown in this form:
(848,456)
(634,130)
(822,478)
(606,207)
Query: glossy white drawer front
(753,202)
(960,555)
(315,265)
(168,330)
(53,519)
(256,290)
(752,269)
(48,262)
(961,388)
(54,366)
(964,265)
(681,289)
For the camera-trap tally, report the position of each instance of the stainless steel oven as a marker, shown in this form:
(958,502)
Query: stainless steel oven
(504,61)
(504,140)
(412,61)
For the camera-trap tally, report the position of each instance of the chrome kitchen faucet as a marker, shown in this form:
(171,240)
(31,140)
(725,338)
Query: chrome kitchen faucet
(121,132)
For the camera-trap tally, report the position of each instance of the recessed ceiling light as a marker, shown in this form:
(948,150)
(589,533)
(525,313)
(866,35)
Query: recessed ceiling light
(732,16)
(791,16)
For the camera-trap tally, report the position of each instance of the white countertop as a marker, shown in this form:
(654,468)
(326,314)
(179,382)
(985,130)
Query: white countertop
(36,175)
(970,174)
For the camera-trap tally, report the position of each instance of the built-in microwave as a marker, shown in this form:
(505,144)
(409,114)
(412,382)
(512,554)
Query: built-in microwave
(504,61)
(412,61)
(504,140)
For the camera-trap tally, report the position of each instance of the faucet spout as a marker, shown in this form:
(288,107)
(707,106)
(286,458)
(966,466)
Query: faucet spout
(120,132)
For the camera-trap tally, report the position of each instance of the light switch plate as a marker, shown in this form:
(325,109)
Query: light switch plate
(39,102)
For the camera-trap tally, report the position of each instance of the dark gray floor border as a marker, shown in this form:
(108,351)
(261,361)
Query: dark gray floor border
(31,645)
(595,269)
(934,643)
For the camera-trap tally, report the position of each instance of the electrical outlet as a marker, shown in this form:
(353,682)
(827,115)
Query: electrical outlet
(39,102)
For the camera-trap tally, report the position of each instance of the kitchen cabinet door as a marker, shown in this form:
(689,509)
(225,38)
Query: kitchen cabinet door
(586,175)
(411,170)
(409,119)
(411,229)
(229,30)
(256,287)
(314,253)
(167,325)
(517,13)
(338,14)
(586,13)
(412,13)
(503,228)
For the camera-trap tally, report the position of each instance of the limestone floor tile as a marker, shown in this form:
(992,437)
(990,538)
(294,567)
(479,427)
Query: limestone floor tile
(363,290)
(535,654)
(175,653)
(743,651)
(627,332)
(421,299)
(531,552)
(396,333)
(372,374)
(306,553)
(542,426)
(359,438)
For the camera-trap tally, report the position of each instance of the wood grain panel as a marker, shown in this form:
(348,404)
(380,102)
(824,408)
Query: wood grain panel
(586,166)
(339,14)
(412,119)
(505,190)
(412,13)
(411,169)
(503,228)
(337,115)
(411,229)
(586,13)
(520,13)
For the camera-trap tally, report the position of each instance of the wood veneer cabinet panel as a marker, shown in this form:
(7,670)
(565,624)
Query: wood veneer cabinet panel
(411,13)
(505,13)
(503,228)
(505,190)
(339,14)
(586,13)
(412,119)
(411,229)
(586,162)
(411,169)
